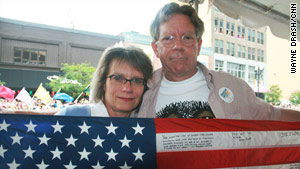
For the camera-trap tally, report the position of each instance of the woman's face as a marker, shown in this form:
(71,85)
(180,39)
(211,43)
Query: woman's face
(121,98)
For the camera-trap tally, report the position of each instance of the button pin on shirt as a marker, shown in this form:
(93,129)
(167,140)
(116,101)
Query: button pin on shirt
(226,94)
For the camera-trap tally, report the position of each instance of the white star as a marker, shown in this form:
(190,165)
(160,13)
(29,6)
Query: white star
(56,153)
(13,165)
(3,126)
(44,140)
(2,151)
(84,154)
(70,165)
(138,129)
(111,128)
(57,127)
(28,152)
(30,126)
(125,142)
(84,128)
(138,155)
(98,166)
(71,140)
(42,165)
(98,141)
(16,139)
(125,166)
(111,155)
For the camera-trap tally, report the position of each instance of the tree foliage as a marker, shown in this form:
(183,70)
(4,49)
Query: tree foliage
(274,95)
(74,80)
(295,97)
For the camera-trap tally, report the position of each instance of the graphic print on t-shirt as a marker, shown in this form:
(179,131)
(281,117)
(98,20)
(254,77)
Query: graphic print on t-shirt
(186,109)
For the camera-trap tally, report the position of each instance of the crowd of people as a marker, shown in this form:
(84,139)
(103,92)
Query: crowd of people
(37,104)
(290,106)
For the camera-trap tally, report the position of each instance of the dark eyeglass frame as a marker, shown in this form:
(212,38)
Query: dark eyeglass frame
(123,80)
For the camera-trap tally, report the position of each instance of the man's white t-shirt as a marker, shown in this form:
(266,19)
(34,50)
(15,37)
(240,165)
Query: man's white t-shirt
(183,99)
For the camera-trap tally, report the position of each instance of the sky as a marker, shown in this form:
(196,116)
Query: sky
(101,16)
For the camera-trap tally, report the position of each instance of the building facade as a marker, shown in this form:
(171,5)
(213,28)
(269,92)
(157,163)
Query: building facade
(239,50)
(29,52)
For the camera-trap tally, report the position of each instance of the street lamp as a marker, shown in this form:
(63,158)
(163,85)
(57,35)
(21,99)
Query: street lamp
(258,71)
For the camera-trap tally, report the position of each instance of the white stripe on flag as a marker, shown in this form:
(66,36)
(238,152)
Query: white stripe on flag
(290,166)
(191,141)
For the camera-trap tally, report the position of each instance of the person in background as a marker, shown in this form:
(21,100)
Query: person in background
(117,87)
(185,88)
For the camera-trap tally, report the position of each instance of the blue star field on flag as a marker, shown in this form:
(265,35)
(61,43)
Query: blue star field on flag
(28,141)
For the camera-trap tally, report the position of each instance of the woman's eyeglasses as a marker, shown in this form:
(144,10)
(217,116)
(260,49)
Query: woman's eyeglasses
(119,79)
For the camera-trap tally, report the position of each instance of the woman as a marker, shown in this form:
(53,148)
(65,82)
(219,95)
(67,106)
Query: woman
(117,86)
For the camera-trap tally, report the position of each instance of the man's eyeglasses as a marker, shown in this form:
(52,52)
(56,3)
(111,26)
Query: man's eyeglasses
(186,40)
(118,79)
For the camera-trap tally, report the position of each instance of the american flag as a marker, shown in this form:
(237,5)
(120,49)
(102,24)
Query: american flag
(76,142)
(28,141)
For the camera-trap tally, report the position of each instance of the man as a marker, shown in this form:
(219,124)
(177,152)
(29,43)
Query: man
(184,88)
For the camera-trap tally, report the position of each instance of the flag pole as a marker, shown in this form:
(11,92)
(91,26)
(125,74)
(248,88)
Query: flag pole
(81,93)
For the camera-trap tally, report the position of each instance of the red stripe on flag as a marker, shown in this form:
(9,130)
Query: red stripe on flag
(259,150)
(228,158)
(194,125)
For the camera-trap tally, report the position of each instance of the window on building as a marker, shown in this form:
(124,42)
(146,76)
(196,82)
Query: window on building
(216,24)
(258,37)
(239,50)
(262,38)
(243,51)
(25,58)
(227,28)
(232,49)
(29,56)
(239,32)
(232,29)
(221,26)
(221,46)
(251,75)
(243,32)
(17,55)
(34,58)
(262,57)
(219,65)
(237,70)
(253,35)
(253,53)
(216,46)
(249,34)
(258,54)
(249,53)
(42,57)
(227,48)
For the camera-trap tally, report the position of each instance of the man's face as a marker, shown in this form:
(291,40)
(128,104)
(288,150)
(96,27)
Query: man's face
(179,58)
